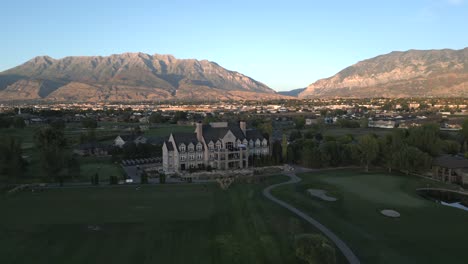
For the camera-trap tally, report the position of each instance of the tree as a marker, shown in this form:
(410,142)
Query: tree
(296,134)
(156,118)
(180,116)
(18,122)
(144,177)
(451,147)
(464,133)
(315,249)
(299,122)
(284,147)
(73,167)
(58,124)
(411,159)
(51,144)
(369,150)
(426,138)
(12,165)
(89,123)
(162,178)
(277,152)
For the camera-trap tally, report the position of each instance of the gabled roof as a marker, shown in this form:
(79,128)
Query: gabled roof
(129,137)
(451,162)
(254,134)
(185,138)
(169,146)
(216,133)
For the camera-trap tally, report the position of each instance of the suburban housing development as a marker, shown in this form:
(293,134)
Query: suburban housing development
(218,145)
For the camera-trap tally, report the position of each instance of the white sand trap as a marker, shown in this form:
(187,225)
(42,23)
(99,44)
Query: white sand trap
(390,213)
(322,195)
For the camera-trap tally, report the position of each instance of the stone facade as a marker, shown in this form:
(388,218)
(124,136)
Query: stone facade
(218,145)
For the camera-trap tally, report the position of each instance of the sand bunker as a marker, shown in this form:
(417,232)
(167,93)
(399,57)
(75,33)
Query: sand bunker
(390,213)
(321,194)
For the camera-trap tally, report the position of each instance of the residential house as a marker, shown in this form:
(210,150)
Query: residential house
(121,140)
(452,169)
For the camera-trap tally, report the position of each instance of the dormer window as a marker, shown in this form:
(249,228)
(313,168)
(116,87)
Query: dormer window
(218,145)
(182,148)
(190,147)
(251,143)
(199,147)
(211,146)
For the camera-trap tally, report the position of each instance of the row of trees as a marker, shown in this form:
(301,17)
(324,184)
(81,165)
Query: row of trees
(12,121)
(409,150)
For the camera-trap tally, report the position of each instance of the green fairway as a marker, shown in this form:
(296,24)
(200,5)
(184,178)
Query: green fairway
(427,232)
(156,224)
(165,131)
(103,166)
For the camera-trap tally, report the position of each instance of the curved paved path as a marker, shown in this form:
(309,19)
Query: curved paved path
(336,240)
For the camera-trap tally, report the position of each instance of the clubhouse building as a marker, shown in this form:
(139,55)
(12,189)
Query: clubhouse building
(219,145)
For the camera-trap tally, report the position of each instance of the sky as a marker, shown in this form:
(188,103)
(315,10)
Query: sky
(284,44)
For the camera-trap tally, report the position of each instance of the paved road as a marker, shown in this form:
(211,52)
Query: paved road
(347,252)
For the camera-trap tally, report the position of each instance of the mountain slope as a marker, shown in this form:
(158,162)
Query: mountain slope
(293,93)
(126,77)
(399,74)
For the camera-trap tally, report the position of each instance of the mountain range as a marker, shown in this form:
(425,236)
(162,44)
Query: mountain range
(127,77)
(144,77)
(414,73)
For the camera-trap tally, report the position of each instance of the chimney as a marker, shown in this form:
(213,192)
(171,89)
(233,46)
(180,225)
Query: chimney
(243,127)
(199,131)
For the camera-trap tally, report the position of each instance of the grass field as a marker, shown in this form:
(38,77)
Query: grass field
(103,166)
(89,166)
(427,232)
(165,131)
(156,224)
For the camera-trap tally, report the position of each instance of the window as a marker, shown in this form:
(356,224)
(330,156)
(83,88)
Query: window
(199,156)
(230,145)
(211,146)
(257,143)
(182,158)
(190,148)
(182,148)
(251,143)
(211,156)
(218,145)
(191,157)
(199,147)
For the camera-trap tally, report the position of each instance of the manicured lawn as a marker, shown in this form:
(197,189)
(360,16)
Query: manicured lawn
(156,224)
(427,232)
(103,166)
(165,131)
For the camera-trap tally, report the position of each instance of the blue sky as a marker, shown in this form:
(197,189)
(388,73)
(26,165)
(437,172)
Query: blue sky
(284,44)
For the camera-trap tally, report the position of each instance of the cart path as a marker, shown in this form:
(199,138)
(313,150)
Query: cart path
(340,244)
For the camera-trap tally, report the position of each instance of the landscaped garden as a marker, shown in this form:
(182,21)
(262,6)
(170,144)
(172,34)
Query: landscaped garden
(425,232)
(153,224)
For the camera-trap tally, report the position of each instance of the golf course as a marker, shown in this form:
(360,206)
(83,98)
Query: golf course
(425,232)
(184,223)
